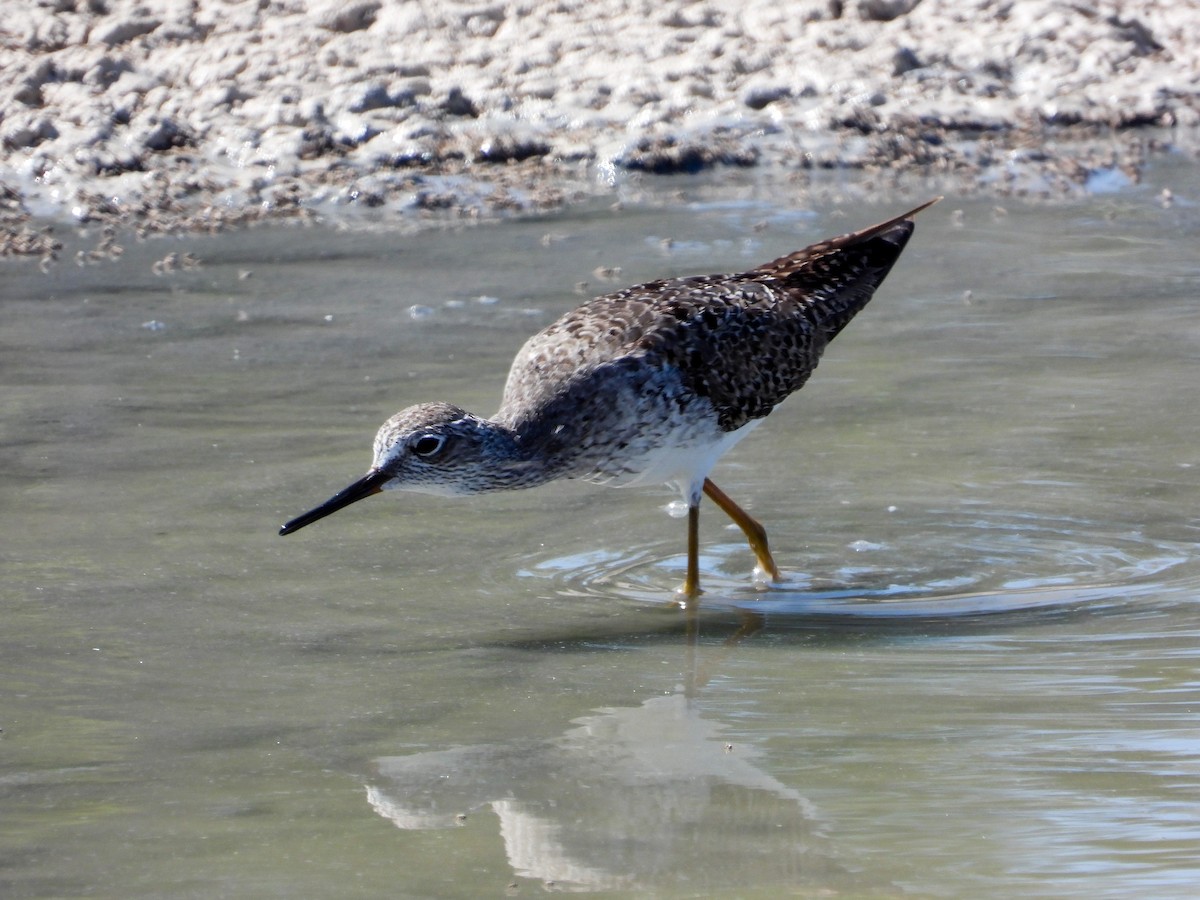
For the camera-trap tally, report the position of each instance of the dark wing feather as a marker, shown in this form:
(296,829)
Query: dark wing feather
(837,277)
(744,342)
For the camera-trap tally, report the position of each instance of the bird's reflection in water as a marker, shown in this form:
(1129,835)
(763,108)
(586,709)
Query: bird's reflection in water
(652,796)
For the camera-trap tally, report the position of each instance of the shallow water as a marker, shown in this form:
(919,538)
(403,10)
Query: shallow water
(981,677)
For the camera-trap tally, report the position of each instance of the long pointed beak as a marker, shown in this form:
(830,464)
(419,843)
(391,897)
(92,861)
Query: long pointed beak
(371,483)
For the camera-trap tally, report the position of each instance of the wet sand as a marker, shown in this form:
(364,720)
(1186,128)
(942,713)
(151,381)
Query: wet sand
(170,115)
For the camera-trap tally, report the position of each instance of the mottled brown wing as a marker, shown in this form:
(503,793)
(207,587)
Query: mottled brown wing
(744,341)
(757,342)
(836,278)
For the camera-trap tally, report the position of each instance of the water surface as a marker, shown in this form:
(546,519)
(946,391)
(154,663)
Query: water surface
(981,677)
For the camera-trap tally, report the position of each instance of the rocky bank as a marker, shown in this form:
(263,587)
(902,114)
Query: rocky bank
(168,115)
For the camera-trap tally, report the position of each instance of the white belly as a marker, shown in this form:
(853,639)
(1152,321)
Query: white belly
(685,467)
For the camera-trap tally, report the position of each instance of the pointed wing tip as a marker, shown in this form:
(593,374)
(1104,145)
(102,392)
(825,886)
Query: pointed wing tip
(883,228)
(895,230)
(924,206)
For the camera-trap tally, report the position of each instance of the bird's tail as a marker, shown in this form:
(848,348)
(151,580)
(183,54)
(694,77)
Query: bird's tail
(836,278)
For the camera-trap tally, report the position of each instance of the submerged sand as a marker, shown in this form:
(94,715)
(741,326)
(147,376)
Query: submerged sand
(168,115)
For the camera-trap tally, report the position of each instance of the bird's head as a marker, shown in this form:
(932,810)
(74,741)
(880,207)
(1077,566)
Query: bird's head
(431,448)
(435,448)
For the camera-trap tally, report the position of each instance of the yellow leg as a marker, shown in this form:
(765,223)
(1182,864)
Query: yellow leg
(691,582)
(755,533)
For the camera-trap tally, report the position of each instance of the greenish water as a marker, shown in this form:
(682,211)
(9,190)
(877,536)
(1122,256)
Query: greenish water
(981,678)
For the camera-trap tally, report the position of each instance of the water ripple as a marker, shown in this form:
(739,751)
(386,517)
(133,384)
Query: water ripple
(1000,563)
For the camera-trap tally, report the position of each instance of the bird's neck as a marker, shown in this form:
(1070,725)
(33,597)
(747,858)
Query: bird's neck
(509,461)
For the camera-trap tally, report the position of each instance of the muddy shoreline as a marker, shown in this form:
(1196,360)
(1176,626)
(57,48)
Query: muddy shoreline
(169,116)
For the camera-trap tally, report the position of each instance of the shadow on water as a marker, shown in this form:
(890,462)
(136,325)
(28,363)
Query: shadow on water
(627,798)
(668,802)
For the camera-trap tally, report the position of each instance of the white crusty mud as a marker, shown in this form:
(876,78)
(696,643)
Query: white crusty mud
(200,114)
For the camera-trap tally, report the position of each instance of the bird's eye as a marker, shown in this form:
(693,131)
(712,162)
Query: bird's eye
(429,444)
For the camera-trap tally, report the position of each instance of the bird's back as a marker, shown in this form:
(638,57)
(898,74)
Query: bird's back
(740,342)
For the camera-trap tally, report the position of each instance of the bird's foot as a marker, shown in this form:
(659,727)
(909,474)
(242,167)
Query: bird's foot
(688,591)
(766,578)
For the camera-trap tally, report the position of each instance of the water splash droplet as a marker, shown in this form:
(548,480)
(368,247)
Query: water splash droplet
(676,509)
(864,546)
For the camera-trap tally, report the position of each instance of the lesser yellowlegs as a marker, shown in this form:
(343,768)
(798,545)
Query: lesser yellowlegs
(649,385)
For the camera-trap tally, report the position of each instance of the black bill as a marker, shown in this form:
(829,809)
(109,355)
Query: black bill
(371,483)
